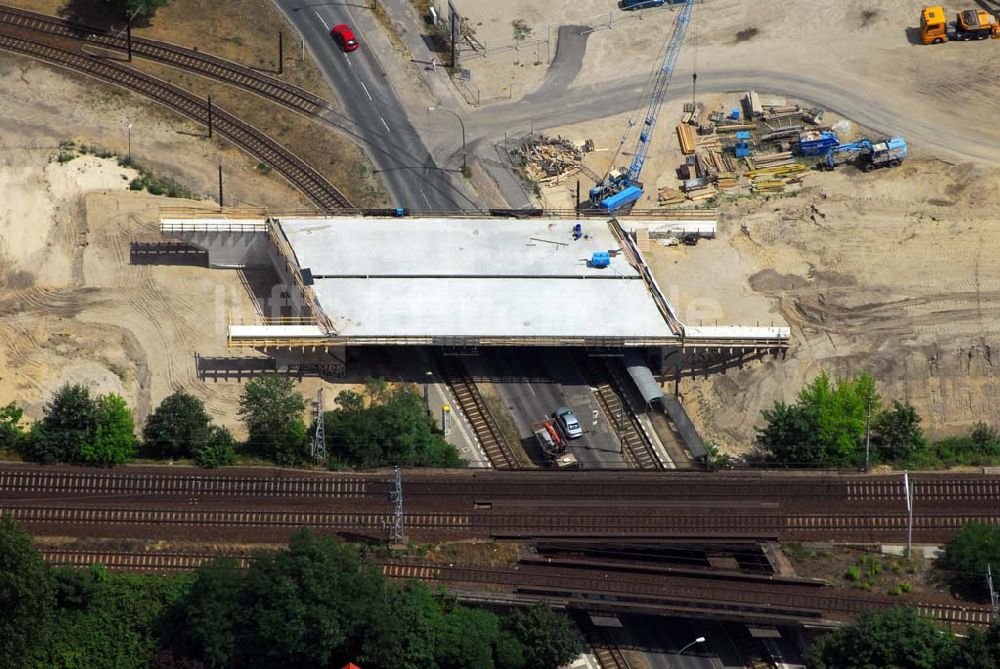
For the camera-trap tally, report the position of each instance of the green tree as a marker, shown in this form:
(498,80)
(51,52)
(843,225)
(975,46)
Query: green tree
(213,611)
(404,639)
(26,595)
(114,438)
(896,433)
(69,422)
(307,606)
(178,427)
(789,437)
(824,427)
(549,639)
(466,639)
(272,409)
(897,638)
(218,451)
(107,620)
(385,426)
(11,432)
(974,547)
(979,650)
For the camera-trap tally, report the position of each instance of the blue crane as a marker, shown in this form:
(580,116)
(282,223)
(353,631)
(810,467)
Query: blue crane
(619,189)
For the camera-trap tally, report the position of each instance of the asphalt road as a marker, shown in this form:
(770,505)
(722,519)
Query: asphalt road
(533,383)
(660,639)
(374,114)
(585,103)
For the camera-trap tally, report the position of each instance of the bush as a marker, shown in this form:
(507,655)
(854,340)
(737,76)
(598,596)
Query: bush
(219,450)
(385,426)
(114,437)
(69,422)
(967,555)
(272,409)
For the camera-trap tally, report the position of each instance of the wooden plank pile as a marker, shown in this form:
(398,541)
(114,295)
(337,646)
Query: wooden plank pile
(687,138)
(547,159)
(668,196)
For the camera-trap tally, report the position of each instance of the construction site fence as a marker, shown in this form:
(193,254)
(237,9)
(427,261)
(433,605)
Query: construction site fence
(263,214)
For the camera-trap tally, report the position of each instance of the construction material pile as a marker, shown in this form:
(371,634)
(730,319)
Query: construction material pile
(547,159)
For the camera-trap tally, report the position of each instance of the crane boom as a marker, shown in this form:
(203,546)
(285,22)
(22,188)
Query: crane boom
(619,190)
(663,78)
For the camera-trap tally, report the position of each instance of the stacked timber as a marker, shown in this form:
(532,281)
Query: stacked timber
(687,138)
(668,196)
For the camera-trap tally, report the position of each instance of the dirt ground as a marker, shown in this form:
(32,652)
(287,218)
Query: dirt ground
(208,25)
(75,310)
(888,272)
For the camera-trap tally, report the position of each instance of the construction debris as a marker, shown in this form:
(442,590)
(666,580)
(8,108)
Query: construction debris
(546,159)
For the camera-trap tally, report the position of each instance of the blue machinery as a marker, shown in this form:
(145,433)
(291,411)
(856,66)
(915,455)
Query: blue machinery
(619,190)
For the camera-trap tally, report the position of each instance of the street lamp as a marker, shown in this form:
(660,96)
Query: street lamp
(427,399)
(462,123)
(128,156)
(700,639)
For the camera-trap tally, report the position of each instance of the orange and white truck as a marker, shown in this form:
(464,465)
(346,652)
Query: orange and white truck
(553,446)
(969,24)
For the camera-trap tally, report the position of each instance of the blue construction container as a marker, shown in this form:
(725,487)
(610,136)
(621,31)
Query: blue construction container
(600,259)
(626,197)
(817,142)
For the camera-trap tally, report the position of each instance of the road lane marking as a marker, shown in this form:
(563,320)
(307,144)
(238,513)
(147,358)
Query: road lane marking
(321,19)
(387,127)
(348,61)
(425,198)
(366,90)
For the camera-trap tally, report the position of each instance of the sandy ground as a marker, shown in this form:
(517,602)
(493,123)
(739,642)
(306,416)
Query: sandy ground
(75,310)
(889,272)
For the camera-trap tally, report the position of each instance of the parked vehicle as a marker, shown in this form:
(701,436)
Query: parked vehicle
(641,4)
(969,24)
(553,446)
(343,36)
(568,423)
(868,155)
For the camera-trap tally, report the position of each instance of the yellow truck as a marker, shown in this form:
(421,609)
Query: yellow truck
(969,24)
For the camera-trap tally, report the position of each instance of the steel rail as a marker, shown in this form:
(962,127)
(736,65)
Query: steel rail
(300,175)
(226,71)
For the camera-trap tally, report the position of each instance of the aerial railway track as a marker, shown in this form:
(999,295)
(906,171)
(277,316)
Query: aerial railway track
(473,407)
(241,76)
(458,487)
(156,520)
(586,586)
(299,174)
(637,447)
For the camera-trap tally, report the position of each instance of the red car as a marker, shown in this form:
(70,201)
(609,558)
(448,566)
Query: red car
(344,37)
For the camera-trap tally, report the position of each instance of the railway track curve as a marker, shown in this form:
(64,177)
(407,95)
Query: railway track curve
(300,175)
(220,69)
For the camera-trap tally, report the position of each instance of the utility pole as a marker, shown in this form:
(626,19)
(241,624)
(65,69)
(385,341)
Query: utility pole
(319,437)
(210,117)
(397,535)
(281,52)
(128,38)
(868,433)
(994,604)
(220,186)
(908,490)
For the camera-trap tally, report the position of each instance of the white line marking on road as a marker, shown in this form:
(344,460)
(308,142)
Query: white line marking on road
(366,91)
(425,199)
(348,61)
(321,19)
(386,127)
